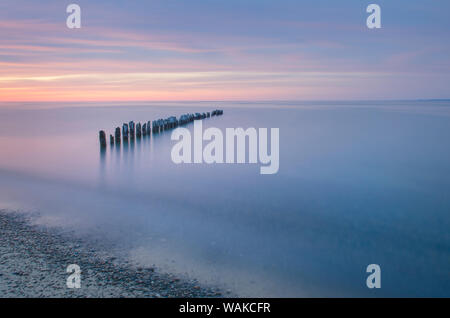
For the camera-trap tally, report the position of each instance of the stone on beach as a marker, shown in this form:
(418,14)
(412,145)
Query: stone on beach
(35,258)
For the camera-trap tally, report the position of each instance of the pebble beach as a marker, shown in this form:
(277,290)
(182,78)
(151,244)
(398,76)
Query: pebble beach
(33,262)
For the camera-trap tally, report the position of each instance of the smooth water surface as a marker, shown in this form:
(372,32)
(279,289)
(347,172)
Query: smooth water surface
(359,183)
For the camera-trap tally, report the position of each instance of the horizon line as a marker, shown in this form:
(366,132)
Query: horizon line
(227,101)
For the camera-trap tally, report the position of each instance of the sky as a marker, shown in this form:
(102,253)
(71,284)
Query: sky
(165,50)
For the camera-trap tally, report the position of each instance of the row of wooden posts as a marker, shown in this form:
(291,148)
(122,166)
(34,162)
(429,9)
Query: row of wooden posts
(132,130)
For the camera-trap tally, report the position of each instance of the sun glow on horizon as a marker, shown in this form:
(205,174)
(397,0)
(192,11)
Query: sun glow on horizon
(260,57)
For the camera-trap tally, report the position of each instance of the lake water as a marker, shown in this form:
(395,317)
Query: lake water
(359,183)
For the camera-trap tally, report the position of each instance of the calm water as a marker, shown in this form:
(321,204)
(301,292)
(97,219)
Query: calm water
(359,183)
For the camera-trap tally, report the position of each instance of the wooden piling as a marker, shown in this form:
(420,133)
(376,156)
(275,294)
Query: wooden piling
(132,129)
(102,138)
(125,132)
(117,134)
(138,130)
(144,129)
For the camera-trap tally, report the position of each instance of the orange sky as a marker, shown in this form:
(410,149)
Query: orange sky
(190,55)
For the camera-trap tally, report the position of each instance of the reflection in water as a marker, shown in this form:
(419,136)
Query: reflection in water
(102,165)
(357,185)
(129,150)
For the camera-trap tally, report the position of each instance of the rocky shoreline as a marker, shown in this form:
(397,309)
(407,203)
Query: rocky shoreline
(33,262)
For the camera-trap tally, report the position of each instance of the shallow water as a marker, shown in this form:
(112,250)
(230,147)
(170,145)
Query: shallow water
(359,183)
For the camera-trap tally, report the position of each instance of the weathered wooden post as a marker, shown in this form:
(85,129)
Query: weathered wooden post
(117,133)
(102,137)
(132,131)
(156,126)
(125,132)
(138,130)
